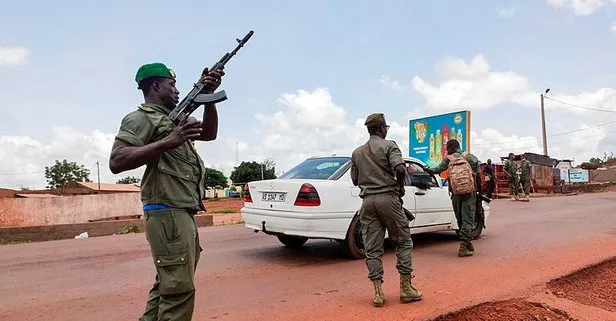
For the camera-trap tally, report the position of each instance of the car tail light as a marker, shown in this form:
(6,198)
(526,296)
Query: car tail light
(307,196)
(247,197)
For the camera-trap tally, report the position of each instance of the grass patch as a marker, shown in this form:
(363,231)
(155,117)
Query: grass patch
(133,228)
(11,242)
(225,211)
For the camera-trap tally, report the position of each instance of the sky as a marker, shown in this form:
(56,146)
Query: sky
(307,79)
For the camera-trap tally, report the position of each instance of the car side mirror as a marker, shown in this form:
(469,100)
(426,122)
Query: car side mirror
(421,180)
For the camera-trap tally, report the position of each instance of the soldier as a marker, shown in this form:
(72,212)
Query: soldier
(488,170)
(525,177)
(379,171)
(510,169)
(172,187)
(469,183)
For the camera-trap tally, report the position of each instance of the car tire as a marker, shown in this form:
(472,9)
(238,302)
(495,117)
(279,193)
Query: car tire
(353,244)
(292,241)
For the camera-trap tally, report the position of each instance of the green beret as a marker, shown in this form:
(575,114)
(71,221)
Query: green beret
(153,70)
(375,119)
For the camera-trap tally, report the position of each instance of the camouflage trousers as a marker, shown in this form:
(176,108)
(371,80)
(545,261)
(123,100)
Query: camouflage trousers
(525,180)
(514,184)
(464,207)
(378,213)
(174,242)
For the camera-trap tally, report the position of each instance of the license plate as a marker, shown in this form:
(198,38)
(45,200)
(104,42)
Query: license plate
(273,197)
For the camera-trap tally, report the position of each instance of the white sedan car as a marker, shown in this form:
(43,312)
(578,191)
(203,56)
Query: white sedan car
(317,200)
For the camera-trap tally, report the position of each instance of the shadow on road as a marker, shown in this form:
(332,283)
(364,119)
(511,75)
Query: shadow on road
(326,252)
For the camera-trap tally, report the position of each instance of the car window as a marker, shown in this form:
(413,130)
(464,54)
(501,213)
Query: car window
(416,169)
(317,168)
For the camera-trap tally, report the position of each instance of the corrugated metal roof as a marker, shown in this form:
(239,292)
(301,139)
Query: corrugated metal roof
(36,195)
(110,187)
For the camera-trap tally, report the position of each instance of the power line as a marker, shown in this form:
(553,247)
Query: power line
(578,106)
(512,140)
(22,173)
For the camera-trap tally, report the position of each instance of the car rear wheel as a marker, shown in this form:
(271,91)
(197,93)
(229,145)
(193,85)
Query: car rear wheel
(292,241)
(353,245)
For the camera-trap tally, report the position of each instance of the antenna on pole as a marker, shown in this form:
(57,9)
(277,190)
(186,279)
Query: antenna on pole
(237,153)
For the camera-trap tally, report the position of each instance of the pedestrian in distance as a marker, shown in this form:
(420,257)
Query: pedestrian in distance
(379,171)
(172,187)
(464,181)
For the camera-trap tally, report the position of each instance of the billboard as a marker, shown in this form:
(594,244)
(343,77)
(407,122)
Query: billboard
(574,175)
(428,136)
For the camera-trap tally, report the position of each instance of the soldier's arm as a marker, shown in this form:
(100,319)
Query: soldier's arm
(354,171)
(477,169)
(132,147)
(440,168)
(397,163)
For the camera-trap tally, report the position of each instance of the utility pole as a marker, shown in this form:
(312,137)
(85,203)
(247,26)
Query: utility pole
(262,171)
(98,172)
(543,131)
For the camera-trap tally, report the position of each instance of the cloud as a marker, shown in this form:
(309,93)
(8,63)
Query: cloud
(23,159)
(613,29)
(506,12)
(581,7)
(475,85)
(309,123)
(471,85)
(391,83)
(13,56)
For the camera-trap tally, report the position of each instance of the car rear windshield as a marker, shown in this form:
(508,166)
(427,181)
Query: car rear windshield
(316,168)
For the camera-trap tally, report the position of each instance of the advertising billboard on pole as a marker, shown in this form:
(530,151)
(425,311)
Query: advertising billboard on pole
(429,135)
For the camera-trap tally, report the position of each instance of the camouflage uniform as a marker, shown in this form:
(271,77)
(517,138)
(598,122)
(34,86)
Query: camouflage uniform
(464,206)
(525,176)
(172,189)
(511,168)
(372,168)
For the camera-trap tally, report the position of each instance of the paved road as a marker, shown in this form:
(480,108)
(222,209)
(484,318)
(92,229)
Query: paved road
(248,276)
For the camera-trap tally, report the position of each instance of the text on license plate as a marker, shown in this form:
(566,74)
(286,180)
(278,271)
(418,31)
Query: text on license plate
(273,197)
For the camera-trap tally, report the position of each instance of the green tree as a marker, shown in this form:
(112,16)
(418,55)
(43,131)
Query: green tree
(63,172)
(251,171)
(128,180)
(596,160)
(215,178)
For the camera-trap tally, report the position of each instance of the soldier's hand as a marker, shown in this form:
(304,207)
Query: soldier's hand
(212,79)
(402,191)
(186,129)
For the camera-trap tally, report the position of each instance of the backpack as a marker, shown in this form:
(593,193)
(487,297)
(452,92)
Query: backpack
(461,176)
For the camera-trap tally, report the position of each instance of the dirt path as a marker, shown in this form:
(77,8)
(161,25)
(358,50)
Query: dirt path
(248,276)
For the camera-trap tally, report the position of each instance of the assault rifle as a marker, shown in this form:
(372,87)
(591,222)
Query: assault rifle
(196,98)
(484,198)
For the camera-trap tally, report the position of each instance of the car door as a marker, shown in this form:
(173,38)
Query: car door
(433,204)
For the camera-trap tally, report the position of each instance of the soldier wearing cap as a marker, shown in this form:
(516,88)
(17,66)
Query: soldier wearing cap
(172,186)
(379,171)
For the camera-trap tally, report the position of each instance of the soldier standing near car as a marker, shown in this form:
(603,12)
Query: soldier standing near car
(510,170)
(464,203)
(379,171)
(525,177)
(172,187)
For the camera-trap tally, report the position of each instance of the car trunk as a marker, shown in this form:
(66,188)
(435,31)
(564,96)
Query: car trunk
(282,194)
